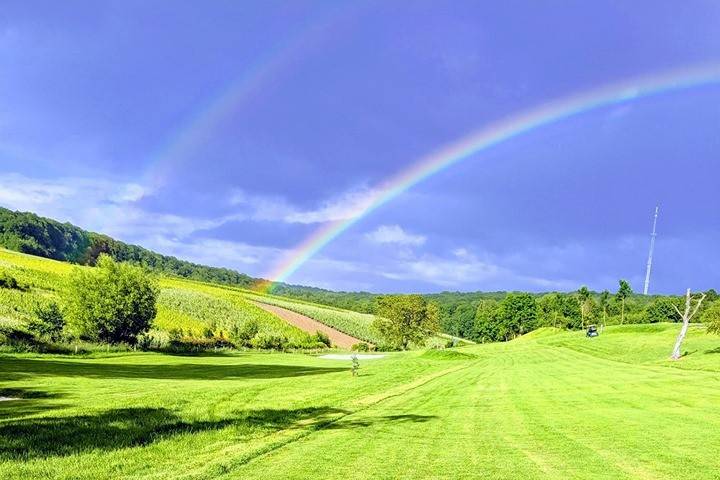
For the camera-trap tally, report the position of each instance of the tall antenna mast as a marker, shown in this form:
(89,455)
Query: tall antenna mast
(652,249)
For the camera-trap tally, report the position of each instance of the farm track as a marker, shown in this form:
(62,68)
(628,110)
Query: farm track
(307,324)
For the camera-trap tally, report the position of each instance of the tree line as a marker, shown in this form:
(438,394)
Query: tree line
(29,233)
(491,320)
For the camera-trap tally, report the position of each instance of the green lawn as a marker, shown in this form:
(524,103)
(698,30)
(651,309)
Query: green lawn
(551,406)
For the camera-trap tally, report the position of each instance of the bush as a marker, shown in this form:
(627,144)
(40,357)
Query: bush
(711,317)
(49,322)
(269,341)
(323,338)
(8,281)
(111,303)
(360,347)
(242,334)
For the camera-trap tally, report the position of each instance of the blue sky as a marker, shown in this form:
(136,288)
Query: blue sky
(104,123)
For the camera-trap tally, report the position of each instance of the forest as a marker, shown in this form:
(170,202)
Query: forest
(29,233)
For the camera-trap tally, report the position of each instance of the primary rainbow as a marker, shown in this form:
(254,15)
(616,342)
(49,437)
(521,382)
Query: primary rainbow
(487,137)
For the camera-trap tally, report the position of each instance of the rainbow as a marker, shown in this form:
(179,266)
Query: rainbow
(487,137)
(201,125)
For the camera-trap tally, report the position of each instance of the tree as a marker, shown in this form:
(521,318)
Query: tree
(113,302)
(686,316)
(48,321)
(405,319)
(486,326)
(621,296)
(550,310)
(517,314)
(711,295)
(583,295)
(663,309)
(711,318)
(604,304)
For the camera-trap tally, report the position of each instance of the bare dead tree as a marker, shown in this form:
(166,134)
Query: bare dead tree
(686,317)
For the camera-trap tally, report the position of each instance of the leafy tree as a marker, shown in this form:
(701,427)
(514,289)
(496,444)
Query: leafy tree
(711,318)
(112,303)
(486,327)
(663,309)
(604,304)
(624,291)
(405,319)
(48,321)
(583,295)
(517,314)
(711,295)
(550,310)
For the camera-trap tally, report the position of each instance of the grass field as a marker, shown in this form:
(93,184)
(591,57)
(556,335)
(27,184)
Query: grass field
(551,405)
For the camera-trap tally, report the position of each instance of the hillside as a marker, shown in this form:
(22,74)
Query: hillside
(549,406)
(26,232)
(188,311)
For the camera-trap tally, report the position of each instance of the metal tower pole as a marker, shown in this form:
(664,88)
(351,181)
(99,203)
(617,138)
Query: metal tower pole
(650,255)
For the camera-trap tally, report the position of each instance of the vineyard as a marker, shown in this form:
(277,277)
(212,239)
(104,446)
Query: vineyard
(358,325)
(185,309)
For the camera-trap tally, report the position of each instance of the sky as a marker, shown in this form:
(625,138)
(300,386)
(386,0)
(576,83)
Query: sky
(229,133)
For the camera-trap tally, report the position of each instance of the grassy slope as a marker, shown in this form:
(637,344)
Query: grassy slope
(358,325)
(555,406)
(183,304)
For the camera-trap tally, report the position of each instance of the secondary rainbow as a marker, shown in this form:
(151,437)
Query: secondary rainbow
(487,137)
(202,124)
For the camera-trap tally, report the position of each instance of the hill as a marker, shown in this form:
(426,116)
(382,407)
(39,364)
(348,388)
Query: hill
(189,312)
(29,233)
(556,406)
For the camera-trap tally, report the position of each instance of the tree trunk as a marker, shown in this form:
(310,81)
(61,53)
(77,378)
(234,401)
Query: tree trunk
(676,354)
(622,311)
(686,317)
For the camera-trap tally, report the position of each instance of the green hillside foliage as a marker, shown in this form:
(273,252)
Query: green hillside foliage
(29,233)
(190,315)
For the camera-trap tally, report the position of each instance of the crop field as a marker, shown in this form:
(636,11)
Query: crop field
(358,325)
(549,405)
(184,307)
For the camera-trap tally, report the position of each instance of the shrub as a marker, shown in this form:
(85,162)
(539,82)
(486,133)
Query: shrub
(323,338)
(8,281)
(360,347)
(242,334)
(269,341)
(711,317)
(112,303)
(49,322)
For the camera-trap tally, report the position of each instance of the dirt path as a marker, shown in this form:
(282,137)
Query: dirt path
(309,325)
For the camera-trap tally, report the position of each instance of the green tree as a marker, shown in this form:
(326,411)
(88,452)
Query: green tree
(404,320)
(48,321)
(112,303)
(517,314)
(663,309)
(624,291)
(486,322)
(583,295)
(711,318)
(550,310)
(604,304)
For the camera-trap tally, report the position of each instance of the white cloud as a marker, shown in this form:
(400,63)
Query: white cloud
(394,234)
(97,205)
(348,205)
(464,270)
(250,259)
